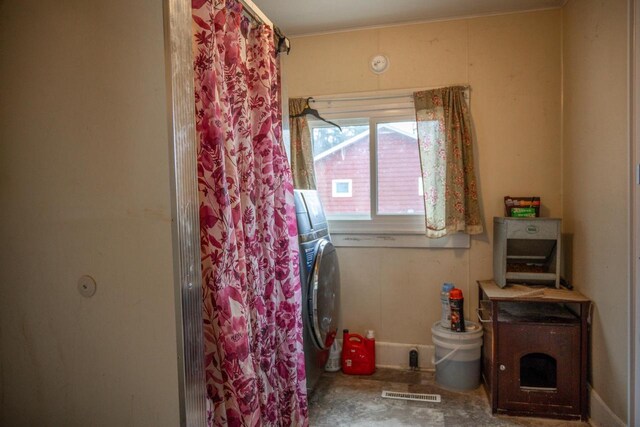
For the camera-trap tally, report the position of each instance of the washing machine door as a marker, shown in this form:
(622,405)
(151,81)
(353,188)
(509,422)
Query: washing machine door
(324,295)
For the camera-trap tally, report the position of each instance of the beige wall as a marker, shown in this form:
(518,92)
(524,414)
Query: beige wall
(596,180)
(512,63)
(84,184)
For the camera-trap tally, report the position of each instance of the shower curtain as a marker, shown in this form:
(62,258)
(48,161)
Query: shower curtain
(254,361)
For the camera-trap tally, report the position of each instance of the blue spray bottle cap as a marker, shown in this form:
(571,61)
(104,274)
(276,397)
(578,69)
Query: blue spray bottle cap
(446,287)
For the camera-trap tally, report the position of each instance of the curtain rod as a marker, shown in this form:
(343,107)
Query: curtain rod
(362,98)
(255,12)
(372,96)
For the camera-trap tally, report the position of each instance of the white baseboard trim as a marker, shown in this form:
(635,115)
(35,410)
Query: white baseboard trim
(396,355)
(600,415)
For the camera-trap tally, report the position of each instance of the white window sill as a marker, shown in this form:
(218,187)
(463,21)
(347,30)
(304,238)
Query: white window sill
(398,240)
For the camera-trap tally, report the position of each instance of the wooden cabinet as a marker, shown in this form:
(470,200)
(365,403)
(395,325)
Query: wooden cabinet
(535,350)
(539,369)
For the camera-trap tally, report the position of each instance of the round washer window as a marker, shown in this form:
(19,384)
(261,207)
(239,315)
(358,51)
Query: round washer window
(324,295)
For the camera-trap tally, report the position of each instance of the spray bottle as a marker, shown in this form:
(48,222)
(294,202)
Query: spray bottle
(456,302)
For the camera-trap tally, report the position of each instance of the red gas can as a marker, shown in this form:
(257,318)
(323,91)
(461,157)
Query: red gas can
(358,354)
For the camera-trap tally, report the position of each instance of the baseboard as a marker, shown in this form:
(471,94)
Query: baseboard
(600,415)
(396,355)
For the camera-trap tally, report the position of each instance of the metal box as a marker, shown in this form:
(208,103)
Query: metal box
(526,250)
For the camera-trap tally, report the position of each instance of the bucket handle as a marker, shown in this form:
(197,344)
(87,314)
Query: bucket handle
(478,311)
(448,355)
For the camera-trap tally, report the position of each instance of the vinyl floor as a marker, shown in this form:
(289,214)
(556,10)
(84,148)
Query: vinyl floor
(344,400)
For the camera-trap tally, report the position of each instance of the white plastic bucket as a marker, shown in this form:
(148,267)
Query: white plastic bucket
(457,356)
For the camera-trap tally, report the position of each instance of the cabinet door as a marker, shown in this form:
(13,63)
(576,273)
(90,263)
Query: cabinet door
(539,368)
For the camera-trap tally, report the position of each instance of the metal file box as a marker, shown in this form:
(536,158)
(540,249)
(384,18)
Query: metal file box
(526,250)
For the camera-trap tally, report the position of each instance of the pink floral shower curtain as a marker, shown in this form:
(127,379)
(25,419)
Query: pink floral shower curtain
(254,361)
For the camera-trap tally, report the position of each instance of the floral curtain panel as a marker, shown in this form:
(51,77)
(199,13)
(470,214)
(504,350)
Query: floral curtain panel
(301,148)
(254,360)
(446,157)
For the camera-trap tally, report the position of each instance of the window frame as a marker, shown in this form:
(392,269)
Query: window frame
(376,222)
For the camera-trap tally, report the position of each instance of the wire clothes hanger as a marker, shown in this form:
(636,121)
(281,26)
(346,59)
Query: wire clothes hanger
(314,113)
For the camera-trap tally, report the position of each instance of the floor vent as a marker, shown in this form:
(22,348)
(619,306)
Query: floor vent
(419,397)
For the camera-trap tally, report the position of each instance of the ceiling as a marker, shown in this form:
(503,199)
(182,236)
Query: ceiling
(298,17)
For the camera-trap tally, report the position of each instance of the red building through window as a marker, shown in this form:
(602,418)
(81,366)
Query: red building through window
(347,164)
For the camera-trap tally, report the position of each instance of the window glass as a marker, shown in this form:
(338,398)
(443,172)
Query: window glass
(399,173)
(342,166)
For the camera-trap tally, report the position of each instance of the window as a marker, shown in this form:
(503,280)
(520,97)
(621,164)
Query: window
(369,175)
(341,188)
